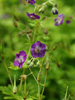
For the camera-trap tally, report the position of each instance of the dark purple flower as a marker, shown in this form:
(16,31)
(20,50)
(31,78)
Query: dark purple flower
(68,21)
(33,16)
(59,20)
(20,59)
(31,1)
(54,10)
(38,49)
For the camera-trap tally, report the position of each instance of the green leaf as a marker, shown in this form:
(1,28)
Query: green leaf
(13,67)
(7,91)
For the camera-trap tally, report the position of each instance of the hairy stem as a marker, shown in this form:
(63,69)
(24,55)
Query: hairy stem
(8,73)
(44,84)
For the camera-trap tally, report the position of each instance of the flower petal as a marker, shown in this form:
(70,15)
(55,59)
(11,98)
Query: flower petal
(34,54)
(16,63)
(41,54)
(56,24)
(22,53)
(20,65)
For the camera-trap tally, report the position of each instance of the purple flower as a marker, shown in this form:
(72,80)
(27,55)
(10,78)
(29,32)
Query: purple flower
(38,49)
(31,1)
(54,10)
(68,21)
(20,59)
(33,16)
(59,20)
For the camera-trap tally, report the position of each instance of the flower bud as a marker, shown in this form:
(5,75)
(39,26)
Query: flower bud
(2,56)
(20,33)
(31,64)
(68,21)
(45,31)
(14,87)
(28,62)
(58,64)
(54,10)
(16,18)
(29,31)
(24,94)
(55,4)
(38,63)
(30,35)
(39,77)
(24,76)
(48,65)
(15,24)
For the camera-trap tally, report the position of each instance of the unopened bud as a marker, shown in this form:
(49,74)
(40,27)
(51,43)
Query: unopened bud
(47,67)
(16,18)
(20,33)
(29,31)
(38,63)
(54,10)
(24,98)
(45,31)
(39,77)
(24,94)
(54,48)
(2,56)
(30,35)
(70,17)
(31,64)
(55,4)
(15,24)
(14,87)
(58,65)
(24,76)
(28,62)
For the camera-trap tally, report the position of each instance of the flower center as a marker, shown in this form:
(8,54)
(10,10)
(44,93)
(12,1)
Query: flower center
(59,19)
(32,17)
(37,49)
(20,59)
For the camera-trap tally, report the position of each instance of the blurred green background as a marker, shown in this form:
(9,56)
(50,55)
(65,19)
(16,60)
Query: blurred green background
(62,68)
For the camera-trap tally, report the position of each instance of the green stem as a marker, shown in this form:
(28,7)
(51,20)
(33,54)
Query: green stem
(39,91)
(14,80)
(25,86)
(33,76)
(8,73)
(44,84)
(21,81)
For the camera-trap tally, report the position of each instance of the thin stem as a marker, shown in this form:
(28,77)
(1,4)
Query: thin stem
(24,71)
(33,76)
(25,86)
(29,74)
(39,91)
(44,84)
(8,73)
(21,80)
(34,34)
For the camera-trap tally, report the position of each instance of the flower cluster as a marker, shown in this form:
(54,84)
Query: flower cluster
(32,15)
(37,50)
(59,20)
